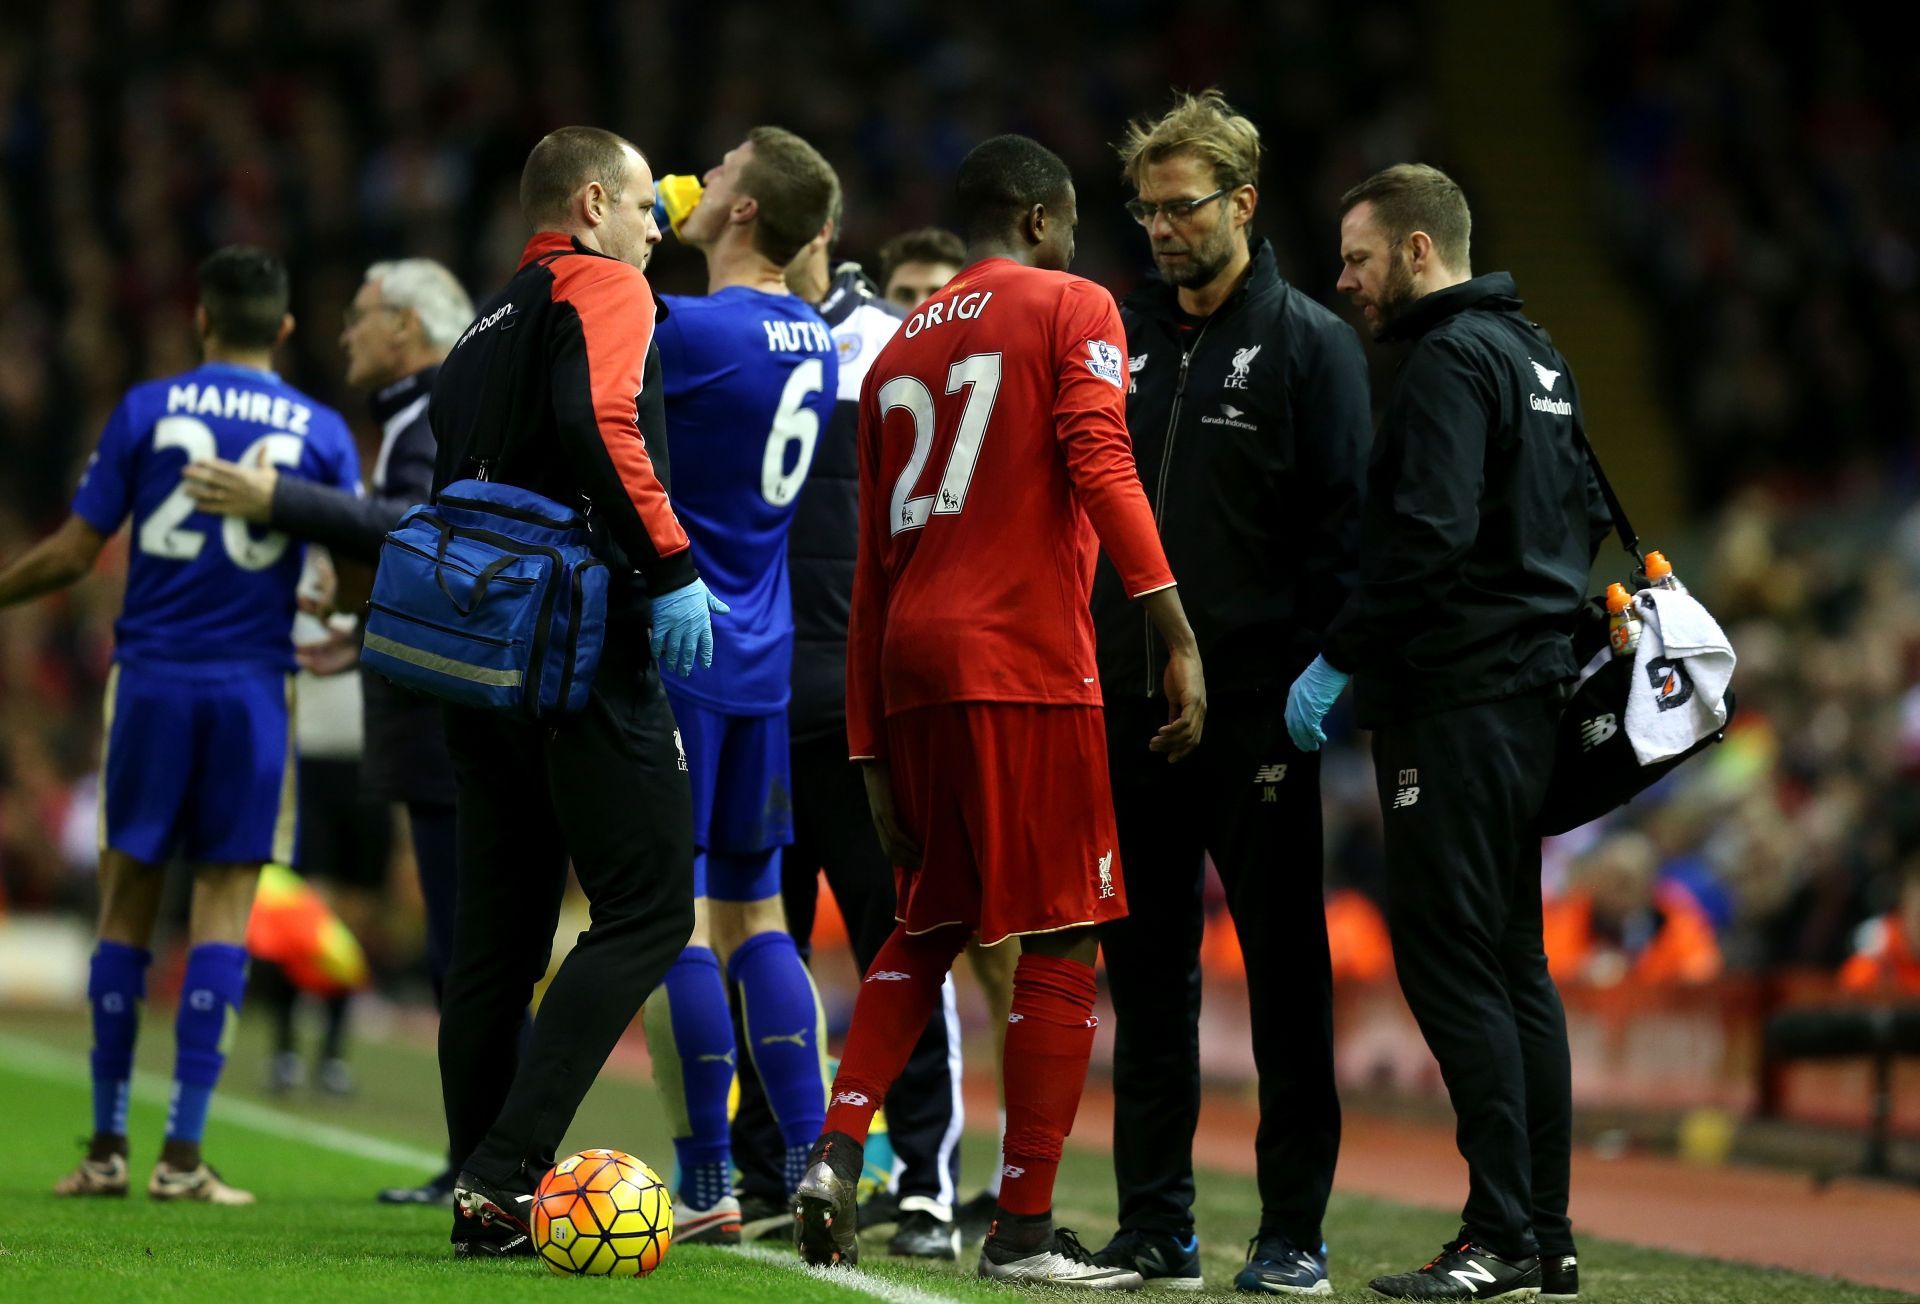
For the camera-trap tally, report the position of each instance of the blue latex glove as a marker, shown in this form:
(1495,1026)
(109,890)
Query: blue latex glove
(1308,701)
(683,626)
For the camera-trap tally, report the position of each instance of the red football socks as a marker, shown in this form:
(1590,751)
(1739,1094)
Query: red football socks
(896,999)
(1049,1041)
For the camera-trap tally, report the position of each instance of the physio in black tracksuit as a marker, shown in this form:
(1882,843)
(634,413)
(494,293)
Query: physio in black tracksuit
(552,390)
(1248,408)
(1482,520)
(832,824)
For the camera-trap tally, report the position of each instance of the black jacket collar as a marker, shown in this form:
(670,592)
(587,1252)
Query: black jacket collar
(1159,299)
(1495,291)
(396,396)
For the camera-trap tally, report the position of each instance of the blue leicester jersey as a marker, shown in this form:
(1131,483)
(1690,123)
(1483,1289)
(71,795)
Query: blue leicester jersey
(750,379)
(203,587)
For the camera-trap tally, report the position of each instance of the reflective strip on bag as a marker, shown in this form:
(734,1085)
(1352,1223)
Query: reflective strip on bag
(444,665)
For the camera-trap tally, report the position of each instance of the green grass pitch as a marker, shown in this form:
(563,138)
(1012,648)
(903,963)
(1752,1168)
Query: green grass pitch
(317,1235)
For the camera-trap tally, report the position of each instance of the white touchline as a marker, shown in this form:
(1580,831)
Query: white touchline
(35,1059)
(866,1283)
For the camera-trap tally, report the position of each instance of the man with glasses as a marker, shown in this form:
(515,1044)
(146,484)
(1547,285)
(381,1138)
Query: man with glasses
(1248,408)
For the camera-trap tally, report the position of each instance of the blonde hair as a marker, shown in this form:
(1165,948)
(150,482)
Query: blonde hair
(1203,125)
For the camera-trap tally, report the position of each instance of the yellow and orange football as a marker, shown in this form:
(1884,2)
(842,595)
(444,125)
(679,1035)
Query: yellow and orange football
(602,1213)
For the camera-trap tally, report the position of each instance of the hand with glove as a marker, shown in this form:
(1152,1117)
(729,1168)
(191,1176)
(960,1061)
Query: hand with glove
(683,626)
(1308,701)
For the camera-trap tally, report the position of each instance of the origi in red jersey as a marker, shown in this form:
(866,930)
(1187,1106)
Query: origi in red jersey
(994,461)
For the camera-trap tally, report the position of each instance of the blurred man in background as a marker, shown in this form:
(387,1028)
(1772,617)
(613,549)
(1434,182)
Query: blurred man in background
(1249,411)
(750,374)
(403,319)
(199,755)
(915,264)
(1481,523)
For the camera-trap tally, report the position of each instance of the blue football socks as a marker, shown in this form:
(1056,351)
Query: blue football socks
(702,1042)
(116,984)
(209,1008)
(783,1022)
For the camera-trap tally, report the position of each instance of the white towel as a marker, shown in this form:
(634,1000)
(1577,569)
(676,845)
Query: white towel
(1680,675)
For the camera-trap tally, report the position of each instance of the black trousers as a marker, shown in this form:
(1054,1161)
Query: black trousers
(833,830)
(1251,800)
(1459,793)
(606,788)
(344,838)
(435,835)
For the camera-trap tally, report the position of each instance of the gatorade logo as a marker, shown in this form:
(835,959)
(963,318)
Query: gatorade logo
(1672,685)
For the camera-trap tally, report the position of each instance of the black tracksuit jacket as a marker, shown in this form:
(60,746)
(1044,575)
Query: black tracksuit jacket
(559,375)
(1250,430)
(1482,514)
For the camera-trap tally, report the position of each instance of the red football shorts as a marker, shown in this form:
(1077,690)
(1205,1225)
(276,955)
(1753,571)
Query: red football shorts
(1010,804)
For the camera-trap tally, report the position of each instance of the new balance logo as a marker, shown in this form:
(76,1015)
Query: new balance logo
(1471,1273)
(858,1099)
(889,976)
(1409,792)
(1597,730)
(1546,377)
(789,1038)
(1270,774)
(1106,876)
(1014,1171)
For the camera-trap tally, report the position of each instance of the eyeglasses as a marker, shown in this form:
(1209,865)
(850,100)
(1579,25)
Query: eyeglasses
(1174,210)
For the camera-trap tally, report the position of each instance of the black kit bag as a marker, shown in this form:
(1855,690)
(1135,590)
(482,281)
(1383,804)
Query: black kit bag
(1595,769)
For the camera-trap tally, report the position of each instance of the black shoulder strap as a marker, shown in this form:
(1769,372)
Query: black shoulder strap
(1621,525)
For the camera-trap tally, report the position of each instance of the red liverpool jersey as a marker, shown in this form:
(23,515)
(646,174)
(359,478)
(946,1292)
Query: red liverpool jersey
(994,462)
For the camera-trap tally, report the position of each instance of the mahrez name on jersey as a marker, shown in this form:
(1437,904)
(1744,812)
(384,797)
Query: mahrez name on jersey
(239,405)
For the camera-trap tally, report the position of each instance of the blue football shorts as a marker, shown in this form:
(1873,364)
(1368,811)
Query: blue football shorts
(199,763)
(740,773)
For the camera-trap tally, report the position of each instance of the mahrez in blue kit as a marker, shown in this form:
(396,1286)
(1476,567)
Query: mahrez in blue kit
(198,761)
(750,372)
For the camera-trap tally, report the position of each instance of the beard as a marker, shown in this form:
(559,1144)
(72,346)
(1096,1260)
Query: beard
(1204,260)
(1396,294)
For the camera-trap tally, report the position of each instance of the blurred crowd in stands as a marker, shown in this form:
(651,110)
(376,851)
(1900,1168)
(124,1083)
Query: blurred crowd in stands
(137,134)
(1760,166)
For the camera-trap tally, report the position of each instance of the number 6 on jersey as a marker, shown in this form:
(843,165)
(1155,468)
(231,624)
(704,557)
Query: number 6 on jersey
(979,375)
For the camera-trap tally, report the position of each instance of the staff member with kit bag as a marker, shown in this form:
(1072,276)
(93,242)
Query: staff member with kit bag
(523,594)
(1481,523)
